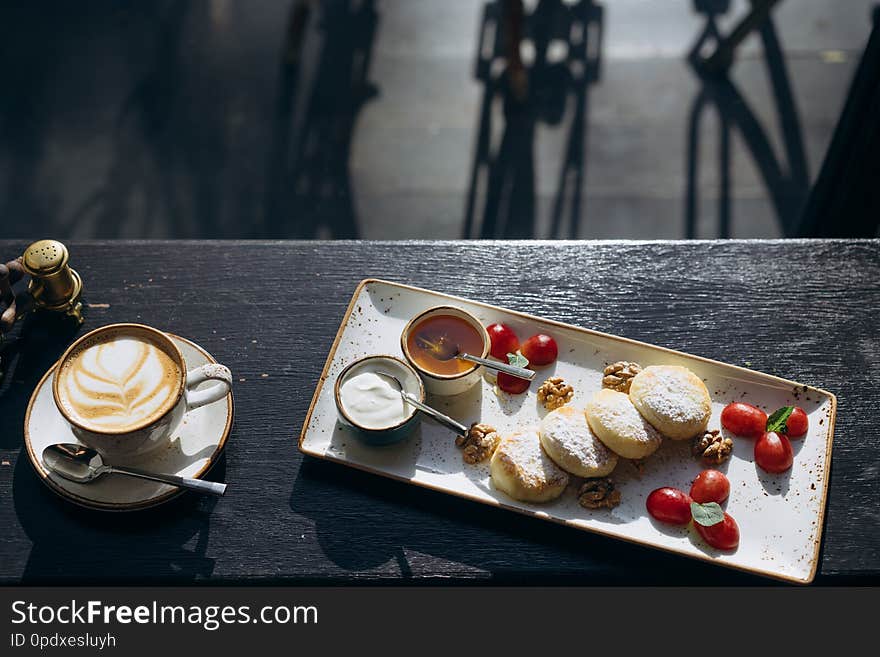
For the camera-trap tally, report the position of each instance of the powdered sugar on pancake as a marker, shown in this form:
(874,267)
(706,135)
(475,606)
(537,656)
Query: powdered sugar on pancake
(618,424)
(671,393)
(521,457)
(571,443)
(673,399)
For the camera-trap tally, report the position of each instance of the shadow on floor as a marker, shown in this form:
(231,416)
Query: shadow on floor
(787,183)
(566,41)
(177,154)
(309,190)
(218,119)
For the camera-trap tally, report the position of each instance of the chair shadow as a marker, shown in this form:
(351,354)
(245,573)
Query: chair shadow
(531,94)
(786,182)
(75,545)
(172,147)
(151,154)
(309,186)
(24,119)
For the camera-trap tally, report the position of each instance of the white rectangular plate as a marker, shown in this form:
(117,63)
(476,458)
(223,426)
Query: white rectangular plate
(779,516)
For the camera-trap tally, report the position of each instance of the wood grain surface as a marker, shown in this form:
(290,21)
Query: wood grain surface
(804,310)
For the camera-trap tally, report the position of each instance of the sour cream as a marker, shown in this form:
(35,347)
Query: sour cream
(372,401)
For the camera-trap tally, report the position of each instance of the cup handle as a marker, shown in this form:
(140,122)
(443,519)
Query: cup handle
(209,372)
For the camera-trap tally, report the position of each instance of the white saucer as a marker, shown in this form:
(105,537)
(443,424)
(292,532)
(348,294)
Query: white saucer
(195,447)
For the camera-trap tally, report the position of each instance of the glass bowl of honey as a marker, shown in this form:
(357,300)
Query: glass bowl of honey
(432,342)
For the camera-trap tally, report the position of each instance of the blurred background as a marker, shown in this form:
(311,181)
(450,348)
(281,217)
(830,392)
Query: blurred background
(396,119)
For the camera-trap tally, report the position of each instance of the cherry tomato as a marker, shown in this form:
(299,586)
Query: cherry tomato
(797,423)
(540,349)
(710,486)
(503,341)
(512,384)
(669,505)
(744,420)
(773,452)
(722,535)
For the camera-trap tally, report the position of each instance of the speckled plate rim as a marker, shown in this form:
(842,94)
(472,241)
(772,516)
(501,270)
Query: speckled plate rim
(137,506)
(814,562)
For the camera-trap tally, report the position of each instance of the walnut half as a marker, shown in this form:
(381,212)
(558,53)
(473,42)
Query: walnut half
(480,442)
(598,494)
(712,447)
(618,376)
(555,392)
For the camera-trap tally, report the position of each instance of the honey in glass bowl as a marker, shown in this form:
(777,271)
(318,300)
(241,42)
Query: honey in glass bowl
(437,328)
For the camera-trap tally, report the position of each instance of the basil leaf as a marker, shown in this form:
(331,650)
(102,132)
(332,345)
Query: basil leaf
(776,422)
(517,360)
(707,514)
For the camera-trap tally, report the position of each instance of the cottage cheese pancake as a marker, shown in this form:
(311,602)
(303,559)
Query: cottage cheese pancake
(569,441)
(521,468)
(617,423)
(673,399)
(118,381)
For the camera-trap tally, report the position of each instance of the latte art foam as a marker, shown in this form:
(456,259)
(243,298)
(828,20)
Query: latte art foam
(118,382)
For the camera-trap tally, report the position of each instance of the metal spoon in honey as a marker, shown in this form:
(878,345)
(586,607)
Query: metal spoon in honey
(442,348)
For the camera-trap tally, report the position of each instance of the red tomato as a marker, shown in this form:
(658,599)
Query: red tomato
(797,423)
(710,486)
(722,535)
(512,384)
(773,452)
(503,341)
(540,349)
(669,505)
(744,420)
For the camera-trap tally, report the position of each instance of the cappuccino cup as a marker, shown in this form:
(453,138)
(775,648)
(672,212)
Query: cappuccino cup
(124,388)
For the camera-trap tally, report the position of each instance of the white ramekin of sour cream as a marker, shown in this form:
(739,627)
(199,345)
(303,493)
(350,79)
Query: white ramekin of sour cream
(371,404)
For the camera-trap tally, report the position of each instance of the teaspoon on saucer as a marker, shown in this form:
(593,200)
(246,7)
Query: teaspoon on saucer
(442,418)
(82,464)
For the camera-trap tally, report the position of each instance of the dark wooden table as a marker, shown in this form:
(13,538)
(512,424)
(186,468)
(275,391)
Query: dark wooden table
(806,310)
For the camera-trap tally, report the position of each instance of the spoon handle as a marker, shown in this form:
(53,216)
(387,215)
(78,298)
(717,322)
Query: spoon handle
(210,487)
(445,420)
(519,372)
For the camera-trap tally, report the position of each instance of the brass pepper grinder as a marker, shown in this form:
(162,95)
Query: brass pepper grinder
(54,286)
